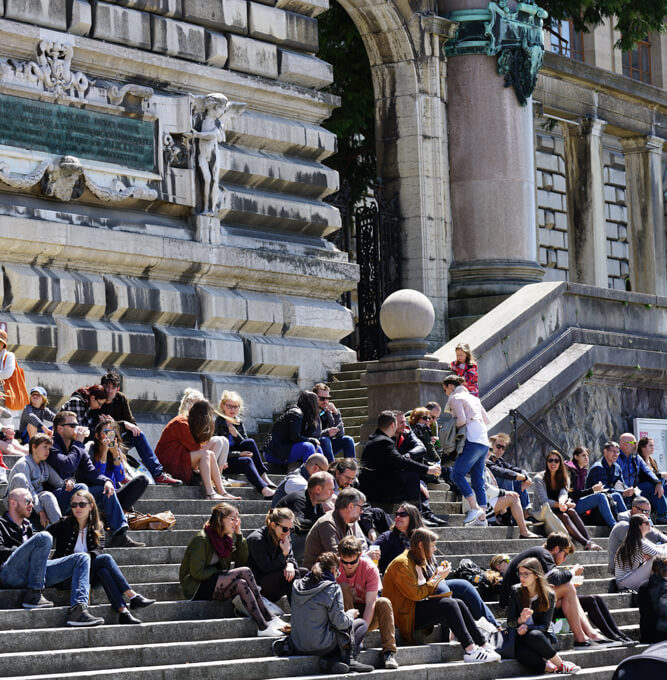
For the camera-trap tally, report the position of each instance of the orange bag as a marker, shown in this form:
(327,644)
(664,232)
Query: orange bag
(16,393)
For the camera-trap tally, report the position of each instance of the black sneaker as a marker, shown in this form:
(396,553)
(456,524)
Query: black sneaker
(34,599)
(122,540)
(127,618)
(333,666)
(80,616)
(358,667)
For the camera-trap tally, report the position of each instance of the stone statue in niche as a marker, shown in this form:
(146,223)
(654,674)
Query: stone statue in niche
(64,179)
(210,114)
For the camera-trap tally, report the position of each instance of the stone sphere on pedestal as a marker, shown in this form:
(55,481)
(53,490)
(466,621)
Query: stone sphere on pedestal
(407,317)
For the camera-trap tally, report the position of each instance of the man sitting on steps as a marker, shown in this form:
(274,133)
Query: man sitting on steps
(25,563)
(297,480)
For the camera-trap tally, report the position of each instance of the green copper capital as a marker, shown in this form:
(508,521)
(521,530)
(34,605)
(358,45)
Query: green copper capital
(514,37)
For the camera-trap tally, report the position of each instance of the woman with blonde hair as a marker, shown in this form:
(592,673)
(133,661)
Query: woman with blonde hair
(271,558)
(187,443)
(244,456)
(529,616)
(214,567)
(82,531)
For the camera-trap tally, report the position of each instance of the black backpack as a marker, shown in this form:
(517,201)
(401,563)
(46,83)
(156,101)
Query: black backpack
(474,574)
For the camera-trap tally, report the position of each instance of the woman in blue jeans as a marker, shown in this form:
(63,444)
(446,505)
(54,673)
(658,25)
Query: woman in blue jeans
(591,498)
(469,412)
(81,531)
(244,456)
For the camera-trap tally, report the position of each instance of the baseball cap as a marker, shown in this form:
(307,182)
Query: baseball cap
(39,389)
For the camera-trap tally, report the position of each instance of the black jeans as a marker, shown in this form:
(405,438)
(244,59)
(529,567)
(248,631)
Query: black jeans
(454,614)
(132,492)
(533,648)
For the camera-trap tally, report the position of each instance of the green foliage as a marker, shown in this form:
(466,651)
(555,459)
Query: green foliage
(354,122)
(634,19)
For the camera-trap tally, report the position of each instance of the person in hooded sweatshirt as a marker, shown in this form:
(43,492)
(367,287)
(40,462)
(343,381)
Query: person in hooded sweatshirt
(320,625)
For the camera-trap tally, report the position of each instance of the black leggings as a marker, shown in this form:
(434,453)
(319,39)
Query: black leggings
(533,648)
(599,615)
(274,584)
(454,613)
(229,584)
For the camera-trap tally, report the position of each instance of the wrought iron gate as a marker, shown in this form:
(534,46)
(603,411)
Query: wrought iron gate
(376,245)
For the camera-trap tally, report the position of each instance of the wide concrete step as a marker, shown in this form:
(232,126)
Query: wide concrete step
(425,663)
(344,405)
(196,506)
(347,390)
(345,375)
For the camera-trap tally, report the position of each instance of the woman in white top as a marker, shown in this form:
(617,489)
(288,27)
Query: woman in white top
(634,559)
(468,410)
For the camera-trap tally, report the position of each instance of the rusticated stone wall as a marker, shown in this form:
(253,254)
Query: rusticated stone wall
(138,274)
(593,413)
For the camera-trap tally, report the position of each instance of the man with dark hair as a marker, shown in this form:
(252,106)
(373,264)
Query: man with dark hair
(551,555)
(69,458)
(360,582)
(307,508)
(509,477)
(334,525)
(118,407)
(333,438)
(25,563)
(344,471)
(387,476)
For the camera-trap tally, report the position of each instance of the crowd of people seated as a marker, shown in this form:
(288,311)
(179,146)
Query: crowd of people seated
(333,547)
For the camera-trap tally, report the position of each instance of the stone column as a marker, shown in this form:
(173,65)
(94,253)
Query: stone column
(646,221)
(492,168)
(587,235)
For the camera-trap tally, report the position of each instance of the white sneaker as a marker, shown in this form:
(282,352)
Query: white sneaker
(273,629)
(473,515)
(487,647)
(480,655)
(480,523)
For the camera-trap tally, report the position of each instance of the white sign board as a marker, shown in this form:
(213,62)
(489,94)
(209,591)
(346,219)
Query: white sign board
(657,429)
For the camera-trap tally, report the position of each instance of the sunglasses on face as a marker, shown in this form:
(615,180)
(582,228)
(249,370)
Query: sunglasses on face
(502,447)
(284,529)
(70,424)
(401,513)
(553,460)
(79,504)
(354,561)
(322,398)
(645,511)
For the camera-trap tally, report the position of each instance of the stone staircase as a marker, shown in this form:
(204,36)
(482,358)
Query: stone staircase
(195,640)
(350,397)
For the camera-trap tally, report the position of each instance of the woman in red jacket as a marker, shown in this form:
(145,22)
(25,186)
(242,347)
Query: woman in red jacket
(187,443)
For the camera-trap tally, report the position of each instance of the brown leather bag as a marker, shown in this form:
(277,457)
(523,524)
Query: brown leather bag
(158,522)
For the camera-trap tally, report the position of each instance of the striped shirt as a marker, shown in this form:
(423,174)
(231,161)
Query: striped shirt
(622,571)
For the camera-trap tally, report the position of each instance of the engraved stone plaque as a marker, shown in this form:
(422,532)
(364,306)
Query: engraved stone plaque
(58,129)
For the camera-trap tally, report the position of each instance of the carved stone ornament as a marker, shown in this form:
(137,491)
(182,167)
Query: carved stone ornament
(51,72)
(65,178)
(515,37)
(210,115)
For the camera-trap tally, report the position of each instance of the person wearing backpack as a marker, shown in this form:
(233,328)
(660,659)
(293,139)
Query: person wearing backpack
(12,378)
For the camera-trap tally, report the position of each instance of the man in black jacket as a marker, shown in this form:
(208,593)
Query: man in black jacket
(24,563)
(387,476)
(551,555)
(307,508)
(509,477)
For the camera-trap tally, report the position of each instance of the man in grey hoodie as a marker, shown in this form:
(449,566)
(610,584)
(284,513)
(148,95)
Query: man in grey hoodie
(31,472)
(320,625)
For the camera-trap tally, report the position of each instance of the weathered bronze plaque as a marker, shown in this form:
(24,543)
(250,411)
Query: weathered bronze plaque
(64,130)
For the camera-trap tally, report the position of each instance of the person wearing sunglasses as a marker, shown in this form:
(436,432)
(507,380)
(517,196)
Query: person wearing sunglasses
(333,438)
(108,455)
(360,582)
(552,487)
(81,531)
(509,477)
(271,557)
(634,559)
(637,474)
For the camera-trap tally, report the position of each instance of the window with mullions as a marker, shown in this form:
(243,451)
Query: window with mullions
(566,41)
(637,62)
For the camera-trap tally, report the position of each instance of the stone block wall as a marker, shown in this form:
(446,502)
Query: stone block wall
(552,219)
(245,299)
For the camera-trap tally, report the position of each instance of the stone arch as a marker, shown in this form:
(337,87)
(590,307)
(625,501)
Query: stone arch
(404,51)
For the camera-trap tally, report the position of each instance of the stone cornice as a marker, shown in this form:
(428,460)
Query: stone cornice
(118,62)
(100,251)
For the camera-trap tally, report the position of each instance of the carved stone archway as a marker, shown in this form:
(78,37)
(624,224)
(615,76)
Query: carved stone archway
(403,40)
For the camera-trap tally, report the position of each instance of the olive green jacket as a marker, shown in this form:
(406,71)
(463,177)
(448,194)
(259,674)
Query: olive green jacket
(196,564)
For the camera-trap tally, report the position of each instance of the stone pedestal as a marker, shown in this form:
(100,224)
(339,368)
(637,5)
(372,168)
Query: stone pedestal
(585,202)
(402,384)
(207,229)
(646,221)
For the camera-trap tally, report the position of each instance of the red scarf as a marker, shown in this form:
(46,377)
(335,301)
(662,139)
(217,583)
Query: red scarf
(223,545)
